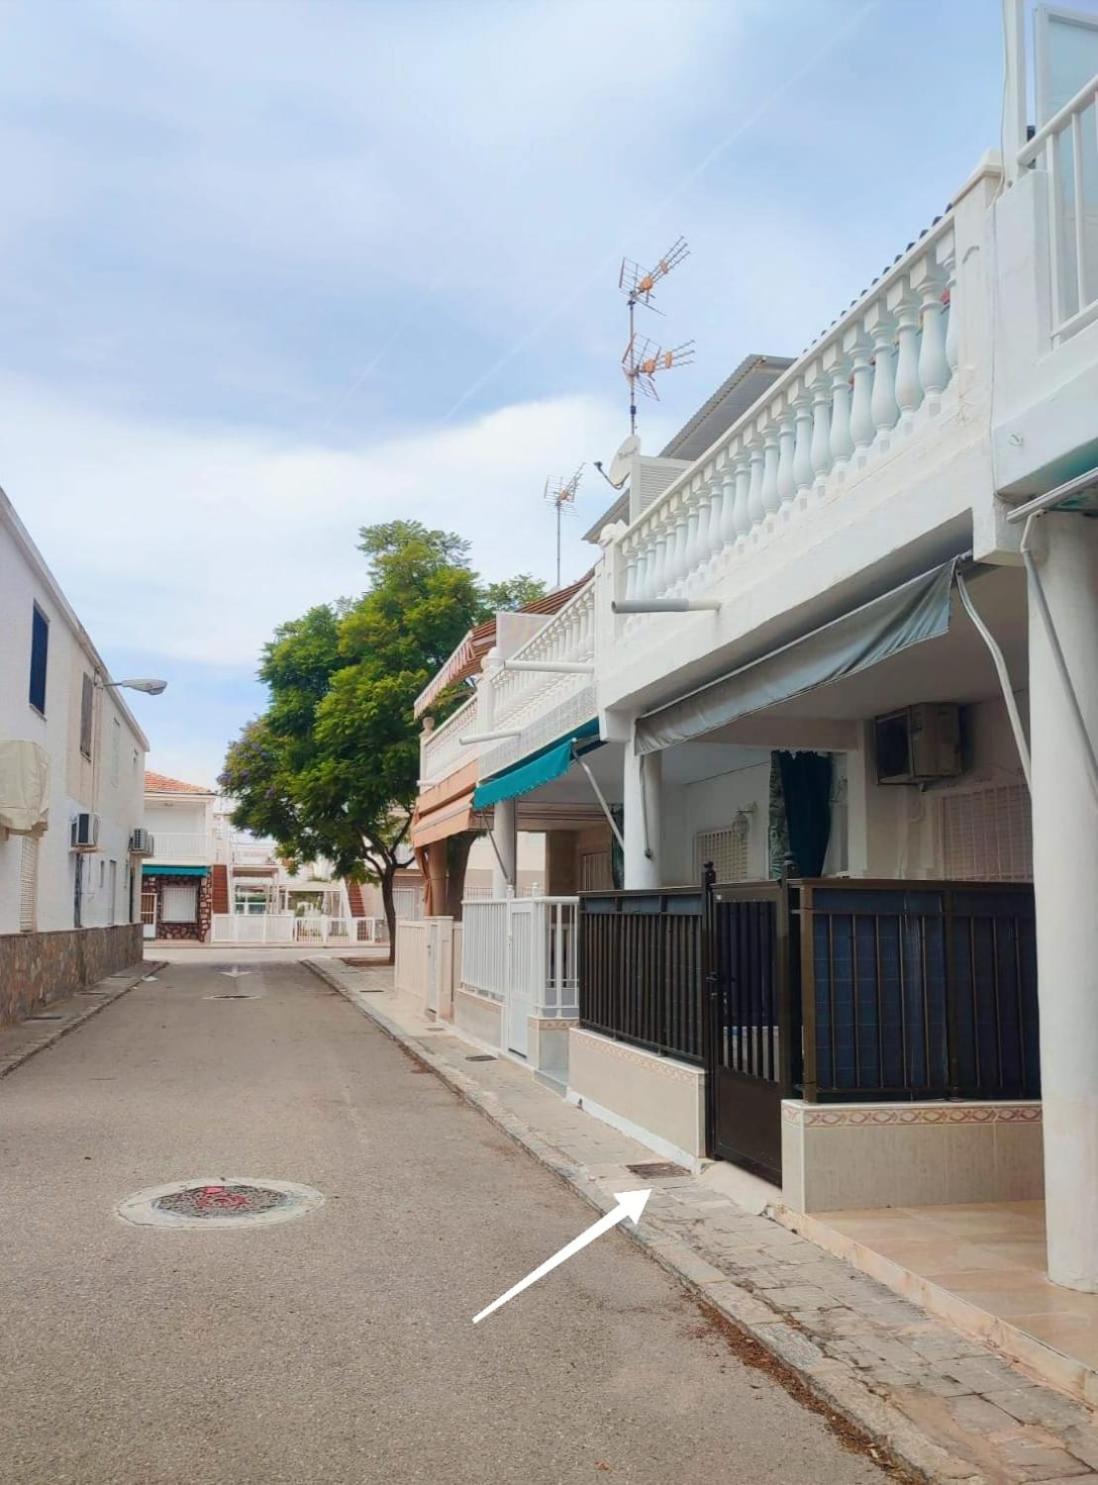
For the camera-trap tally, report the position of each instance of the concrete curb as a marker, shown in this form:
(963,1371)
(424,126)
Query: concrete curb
(831,1385)
(24,1054)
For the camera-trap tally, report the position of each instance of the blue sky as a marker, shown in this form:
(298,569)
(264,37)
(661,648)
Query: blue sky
(274,271)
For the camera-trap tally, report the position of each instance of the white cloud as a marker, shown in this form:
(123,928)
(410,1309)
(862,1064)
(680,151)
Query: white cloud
(193,544)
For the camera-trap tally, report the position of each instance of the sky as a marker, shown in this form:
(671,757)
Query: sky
(276,271)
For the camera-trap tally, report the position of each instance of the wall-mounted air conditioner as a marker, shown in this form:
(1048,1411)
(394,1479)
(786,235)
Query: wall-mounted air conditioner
(142,843)
(919,744)
(85,832)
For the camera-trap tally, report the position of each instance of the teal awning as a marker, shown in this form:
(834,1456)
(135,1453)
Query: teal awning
(537,769)
(174,871)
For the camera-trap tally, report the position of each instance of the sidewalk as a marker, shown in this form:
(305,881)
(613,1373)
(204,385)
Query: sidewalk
(54,1019)
(945,1406)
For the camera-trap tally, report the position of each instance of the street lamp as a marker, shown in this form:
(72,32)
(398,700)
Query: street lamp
(150,687)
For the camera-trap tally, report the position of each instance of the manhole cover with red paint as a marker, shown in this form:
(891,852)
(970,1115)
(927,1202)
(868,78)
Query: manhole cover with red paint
(223,1202)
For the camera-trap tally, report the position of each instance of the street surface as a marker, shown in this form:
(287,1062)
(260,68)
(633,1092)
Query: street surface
(336,1349)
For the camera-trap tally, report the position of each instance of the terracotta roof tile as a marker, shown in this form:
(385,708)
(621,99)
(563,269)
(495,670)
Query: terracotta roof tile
(160,783)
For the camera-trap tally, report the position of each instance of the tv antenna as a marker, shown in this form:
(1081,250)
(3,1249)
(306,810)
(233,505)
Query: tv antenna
(643,360)
(562,494)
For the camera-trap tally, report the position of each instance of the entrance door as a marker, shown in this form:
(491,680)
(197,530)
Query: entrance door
(522,962)
(753,1033)
(148,912)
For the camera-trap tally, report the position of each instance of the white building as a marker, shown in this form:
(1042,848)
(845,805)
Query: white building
(72,763)
(841,645)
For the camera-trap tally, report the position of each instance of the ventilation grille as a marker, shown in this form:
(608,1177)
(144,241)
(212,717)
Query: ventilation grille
(28,885)
(987,835)
(727,849)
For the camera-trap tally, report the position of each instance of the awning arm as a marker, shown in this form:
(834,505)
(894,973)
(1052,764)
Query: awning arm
(664,605)
(479,737)
(599,796)
(999,661)
(552,667)
(499,858)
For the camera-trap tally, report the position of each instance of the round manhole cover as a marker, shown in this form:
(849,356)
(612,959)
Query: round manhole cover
(219,1202)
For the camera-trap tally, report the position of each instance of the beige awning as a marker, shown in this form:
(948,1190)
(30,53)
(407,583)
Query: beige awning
(24,788)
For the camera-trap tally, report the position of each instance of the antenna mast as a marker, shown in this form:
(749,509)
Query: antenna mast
(560,494)
(642,359)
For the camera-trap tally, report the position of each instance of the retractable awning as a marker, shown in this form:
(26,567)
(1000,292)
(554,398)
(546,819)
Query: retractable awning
(917,610)
(175,871)
(539,768)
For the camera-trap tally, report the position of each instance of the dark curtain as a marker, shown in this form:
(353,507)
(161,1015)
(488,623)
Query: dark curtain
(806,788)
(617,859)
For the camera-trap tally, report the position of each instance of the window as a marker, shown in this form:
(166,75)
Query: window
(40,648)
(179,905)
(87,707)
(116,751)
(987,835)
(28,885)
(596,874)
(727,849)
(112,905)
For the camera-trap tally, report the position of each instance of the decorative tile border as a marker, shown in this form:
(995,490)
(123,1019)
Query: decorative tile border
(834,1116)
(669,1068)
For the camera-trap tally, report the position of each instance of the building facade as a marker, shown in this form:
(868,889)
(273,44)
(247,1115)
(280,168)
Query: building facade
(72,763)
(832,691)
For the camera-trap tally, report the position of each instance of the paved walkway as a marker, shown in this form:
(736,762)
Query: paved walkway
(337,1349)
(948,1406)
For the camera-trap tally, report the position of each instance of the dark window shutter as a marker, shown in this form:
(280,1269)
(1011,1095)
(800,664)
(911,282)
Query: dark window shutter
(86,698)
(40,646)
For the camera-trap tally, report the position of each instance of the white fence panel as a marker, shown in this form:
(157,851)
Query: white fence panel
(252,928)
(523,951)
(484,947)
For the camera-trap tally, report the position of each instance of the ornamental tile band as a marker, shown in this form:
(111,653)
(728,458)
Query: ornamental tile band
(834,1118)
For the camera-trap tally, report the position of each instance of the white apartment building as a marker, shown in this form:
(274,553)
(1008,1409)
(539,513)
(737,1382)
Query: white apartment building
(838,656)
(72,762)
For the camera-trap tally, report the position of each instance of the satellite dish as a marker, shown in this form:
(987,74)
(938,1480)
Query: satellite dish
(622,460)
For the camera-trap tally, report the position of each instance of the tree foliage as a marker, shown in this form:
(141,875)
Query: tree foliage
(331,767)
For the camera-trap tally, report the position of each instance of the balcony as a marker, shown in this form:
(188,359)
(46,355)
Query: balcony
(441,752)
(866,457)
(182,848)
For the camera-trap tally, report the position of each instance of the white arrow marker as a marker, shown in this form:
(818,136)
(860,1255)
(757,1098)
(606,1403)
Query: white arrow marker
(630,1204)
(234,973)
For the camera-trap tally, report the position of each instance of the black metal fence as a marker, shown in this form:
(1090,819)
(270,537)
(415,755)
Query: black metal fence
(914,990)
(640,969)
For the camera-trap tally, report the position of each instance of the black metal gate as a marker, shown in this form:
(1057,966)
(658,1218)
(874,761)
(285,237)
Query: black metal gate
(753,1030)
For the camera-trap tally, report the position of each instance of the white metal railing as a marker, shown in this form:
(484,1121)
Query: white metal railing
(182,846)
(441,752)
(423,961)
(280,928)
(1067,147)
(525,949)
(408,902)
(543,704)
(882,368)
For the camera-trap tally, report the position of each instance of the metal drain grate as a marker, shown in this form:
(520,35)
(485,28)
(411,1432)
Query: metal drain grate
(654,1170)
(233,995)
(219,1202)
(481,1057)
(47,1016)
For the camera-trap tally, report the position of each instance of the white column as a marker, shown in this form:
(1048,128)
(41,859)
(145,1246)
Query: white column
(642,786)
(504,837)
(1065,870)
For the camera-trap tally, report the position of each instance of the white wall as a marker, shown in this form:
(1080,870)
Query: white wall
(110,785)
(712,804)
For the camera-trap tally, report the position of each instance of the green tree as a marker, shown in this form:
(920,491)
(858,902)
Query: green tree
(331,768)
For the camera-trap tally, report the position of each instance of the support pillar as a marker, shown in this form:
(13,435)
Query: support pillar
(1065,869)
(505,855)
(642,787)
(436,879)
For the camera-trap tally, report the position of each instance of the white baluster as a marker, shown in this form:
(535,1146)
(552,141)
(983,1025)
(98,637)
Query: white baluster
(909,389)
(952,348)
(681,533)
(741,510)
(716,517)
(728,504)
(842,445)
(703,501)
(882,403)
(787,437)
(690,555)
(821,440)
(756,511)
(641,586)
(933,362)
(862,429)
(770,498)
(655,570)
(803,473)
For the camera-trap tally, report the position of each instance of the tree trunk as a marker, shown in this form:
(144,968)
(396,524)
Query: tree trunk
(457,858)
(386,880)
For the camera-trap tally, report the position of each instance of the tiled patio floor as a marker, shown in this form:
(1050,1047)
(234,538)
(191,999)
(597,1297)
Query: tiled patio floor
(981,1266)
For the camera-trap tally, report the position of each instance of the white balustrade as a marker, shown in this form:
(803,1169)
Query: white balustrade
(182,847)
(441,752)
(881,370)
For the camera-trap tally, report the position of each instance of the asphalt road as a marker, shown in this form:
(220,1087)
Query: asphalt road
(336,1349)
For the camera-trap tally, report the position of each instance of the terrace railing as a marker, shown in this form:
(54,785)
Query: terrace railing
(441,752)
(1067,148)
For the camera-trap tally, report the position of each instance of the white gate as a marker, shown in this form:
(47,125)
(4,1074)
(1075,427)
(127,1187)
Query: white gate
(521,972)
(522,951)
(148,912)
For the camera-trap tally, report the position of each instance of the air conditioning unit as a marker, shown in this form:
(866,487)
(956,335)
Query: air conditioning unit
(142,843)
(919,744)
(85,832)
